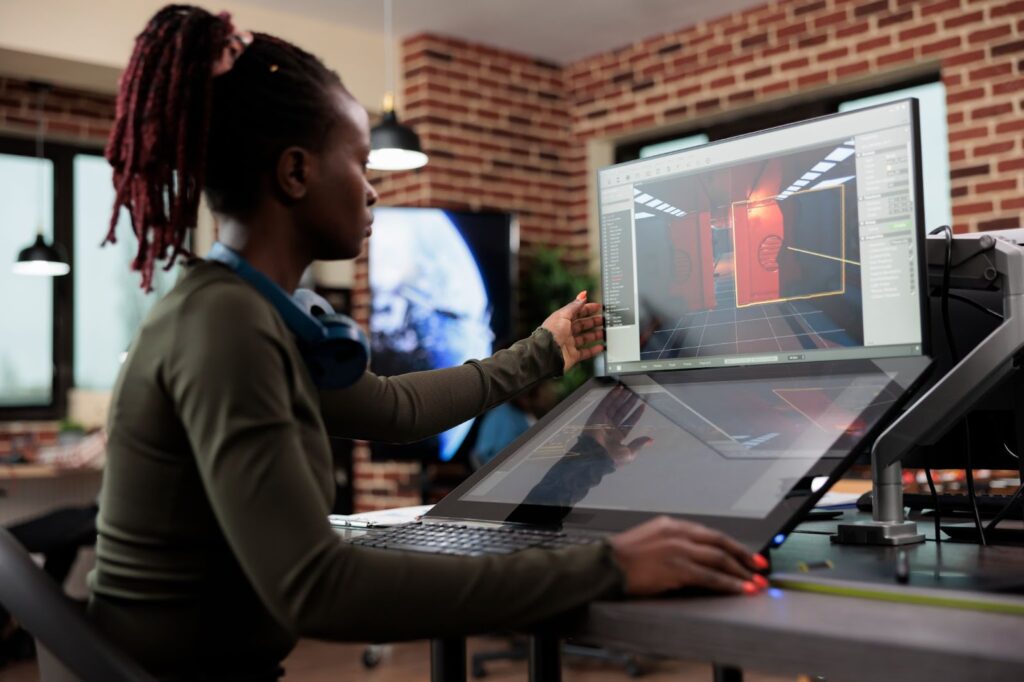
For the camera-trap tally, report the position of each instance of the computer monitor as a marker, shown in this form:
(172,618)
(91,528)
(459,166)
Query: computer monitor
(442,293)
(794,244)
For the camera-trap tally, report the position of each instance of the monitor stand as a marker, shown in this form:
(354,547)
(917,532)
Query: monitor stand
(981,262)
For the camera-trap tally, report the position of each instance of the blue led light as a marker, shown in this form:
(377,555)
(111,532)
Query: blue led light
(779,539)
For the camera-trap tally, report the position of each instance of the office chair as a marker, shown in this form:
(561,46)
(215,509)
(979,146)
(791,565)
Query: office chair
(39,605)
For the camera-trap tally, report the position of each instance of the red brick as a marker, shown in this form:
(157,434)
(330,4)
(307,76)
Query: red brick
(964,19)
(968,134)
(965,95)
(963,58)
(812,79)
(853,69)
(795,64)
(757,73)
(999,224)
(896,57)
(1008,86)
(871,8)
(972,209)
(809,7)
(830,19)
(1015,126)
(1012,203)
(969,171)
(994,148)
(938,7)
(987,72)
(997,186)
(954,118)
(874,43)
(991,110)
(1011,165)
(833,54)
(941,45)
(723,82)
(957,155)
(989,34)
(918,32)
(779,86)
(897,18)
(853,30)
(1007,48)
(796,29)
(1012,9)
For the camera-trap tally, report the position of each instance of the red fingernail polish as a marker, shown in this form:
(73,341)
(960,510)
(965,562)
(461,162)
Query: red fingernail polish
(749,588)
(582,296)
(760,562)
(760,581)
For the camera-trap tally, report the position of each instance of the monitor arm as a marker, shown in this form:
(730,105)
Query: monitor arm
(979,261)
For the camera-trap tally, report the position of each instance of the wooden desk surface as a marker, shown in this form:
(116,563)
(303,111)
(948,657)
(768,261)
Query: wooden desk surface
(15,472)
(843,638)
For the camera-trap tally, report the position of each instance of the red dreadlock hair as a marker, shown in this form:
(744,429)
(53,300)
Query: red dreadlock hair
(180,130)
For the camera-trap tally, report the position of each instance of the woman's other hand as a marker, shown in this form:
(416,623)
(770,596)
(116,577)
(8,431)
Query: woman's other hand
(577,329)
(668,554)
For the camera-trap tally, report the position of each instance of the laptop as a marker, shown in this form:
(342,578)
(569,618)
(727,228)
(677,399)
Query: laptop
(765,318)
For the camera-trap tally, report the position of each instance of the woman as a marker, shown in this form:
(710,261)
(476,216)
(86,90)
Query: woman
(214,551)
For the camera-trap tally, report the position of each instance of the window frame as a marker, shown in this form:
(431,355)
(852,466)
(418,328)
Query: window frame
(62,156)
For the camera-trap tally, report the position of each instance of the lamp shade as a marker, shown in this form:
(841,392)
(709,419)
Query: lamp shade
(42,259)
(394,146)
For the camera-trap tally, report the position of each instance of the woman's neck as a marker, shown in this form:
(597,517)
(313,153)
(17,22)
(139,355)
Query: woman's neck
(271,249)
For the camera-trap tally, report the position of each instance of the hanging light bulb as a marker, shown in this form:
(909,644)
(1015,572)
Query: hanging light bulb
(40,258)
(393,146)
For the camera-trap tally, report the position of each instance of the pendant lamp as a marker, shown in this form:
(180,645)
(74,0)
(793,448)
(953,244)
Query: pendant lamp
(40,258)
(393,146)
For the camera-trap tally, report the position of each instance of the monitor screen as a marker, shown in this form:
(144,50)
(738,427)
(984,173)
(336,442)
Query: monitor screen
(793,244)
(441,285)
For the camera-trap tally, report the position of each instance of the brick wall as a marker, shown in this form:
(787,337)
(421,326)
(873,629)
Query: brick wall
(781,50)
(68,115)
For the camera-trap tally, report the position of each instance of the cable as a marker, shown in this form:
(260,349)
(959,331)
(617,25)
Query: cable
(954,359)
(977,306)
(935,503)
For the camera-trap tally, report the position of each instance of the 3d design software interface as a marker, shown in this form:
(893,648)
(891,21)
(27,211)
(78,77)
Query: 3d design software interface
(794,244)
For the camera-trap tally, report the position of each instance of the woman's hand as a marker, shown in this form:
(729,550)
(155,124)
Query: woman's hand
(668,554)
(611,422)
(575,327)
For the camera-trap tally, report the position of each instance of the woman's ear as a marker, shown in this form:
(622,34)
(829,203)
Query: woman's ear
(294,166)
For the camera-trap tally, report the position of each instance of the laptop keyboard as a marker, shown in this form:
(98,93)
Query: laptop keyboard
(466,540)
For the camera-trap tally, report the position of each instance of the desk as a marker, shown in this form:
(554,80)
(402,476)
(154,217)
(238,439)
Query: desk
(27,490)
(793,632)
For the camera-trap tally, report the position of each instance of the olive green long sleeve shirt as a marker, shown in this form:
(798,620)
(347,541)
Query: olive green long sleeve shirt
(214,551)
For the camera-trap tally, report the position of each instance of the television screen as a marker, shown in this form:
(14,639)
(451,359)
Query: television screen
(441,285)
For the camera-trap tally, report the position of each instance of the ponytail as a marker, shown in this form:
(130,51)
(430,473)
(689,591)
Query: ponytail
(181,129)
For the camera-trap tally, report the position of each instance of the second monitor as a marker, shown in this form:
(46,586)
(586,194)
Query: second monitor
(793,244)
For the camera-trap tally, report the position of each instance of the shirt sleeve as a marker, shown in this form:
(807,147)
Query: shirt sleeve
(411,407)
(230,379)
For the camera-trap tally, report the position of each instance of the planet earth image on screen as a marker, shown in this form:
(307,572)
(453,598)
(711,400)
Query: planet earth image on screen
(430,304)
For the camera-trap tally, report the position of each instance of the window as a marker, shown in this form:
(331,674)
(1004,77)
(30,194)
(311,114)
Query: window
(673,145)
(109,305)
(26,346)
(68,330)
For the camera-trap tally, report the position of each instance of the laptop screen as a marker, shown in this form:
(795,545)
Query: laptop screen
(794,244)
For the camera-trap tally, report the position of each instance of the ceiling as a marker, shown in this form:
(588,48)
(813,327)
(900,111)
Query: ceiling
(560,31)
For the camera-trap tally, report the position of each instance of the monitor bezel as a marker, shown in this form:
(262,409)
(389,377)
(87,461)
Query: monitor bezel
(919,222)
(906,374)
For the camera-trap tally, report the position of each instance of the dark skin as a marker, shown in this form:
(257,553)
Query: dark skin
(317,205)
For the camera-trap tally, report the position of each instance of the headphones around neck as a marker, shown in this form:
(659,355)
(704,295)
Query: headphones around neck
(333,346)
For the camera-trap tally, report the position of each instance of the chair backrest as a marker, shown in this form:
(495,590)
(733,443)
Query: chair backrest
(39,605)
